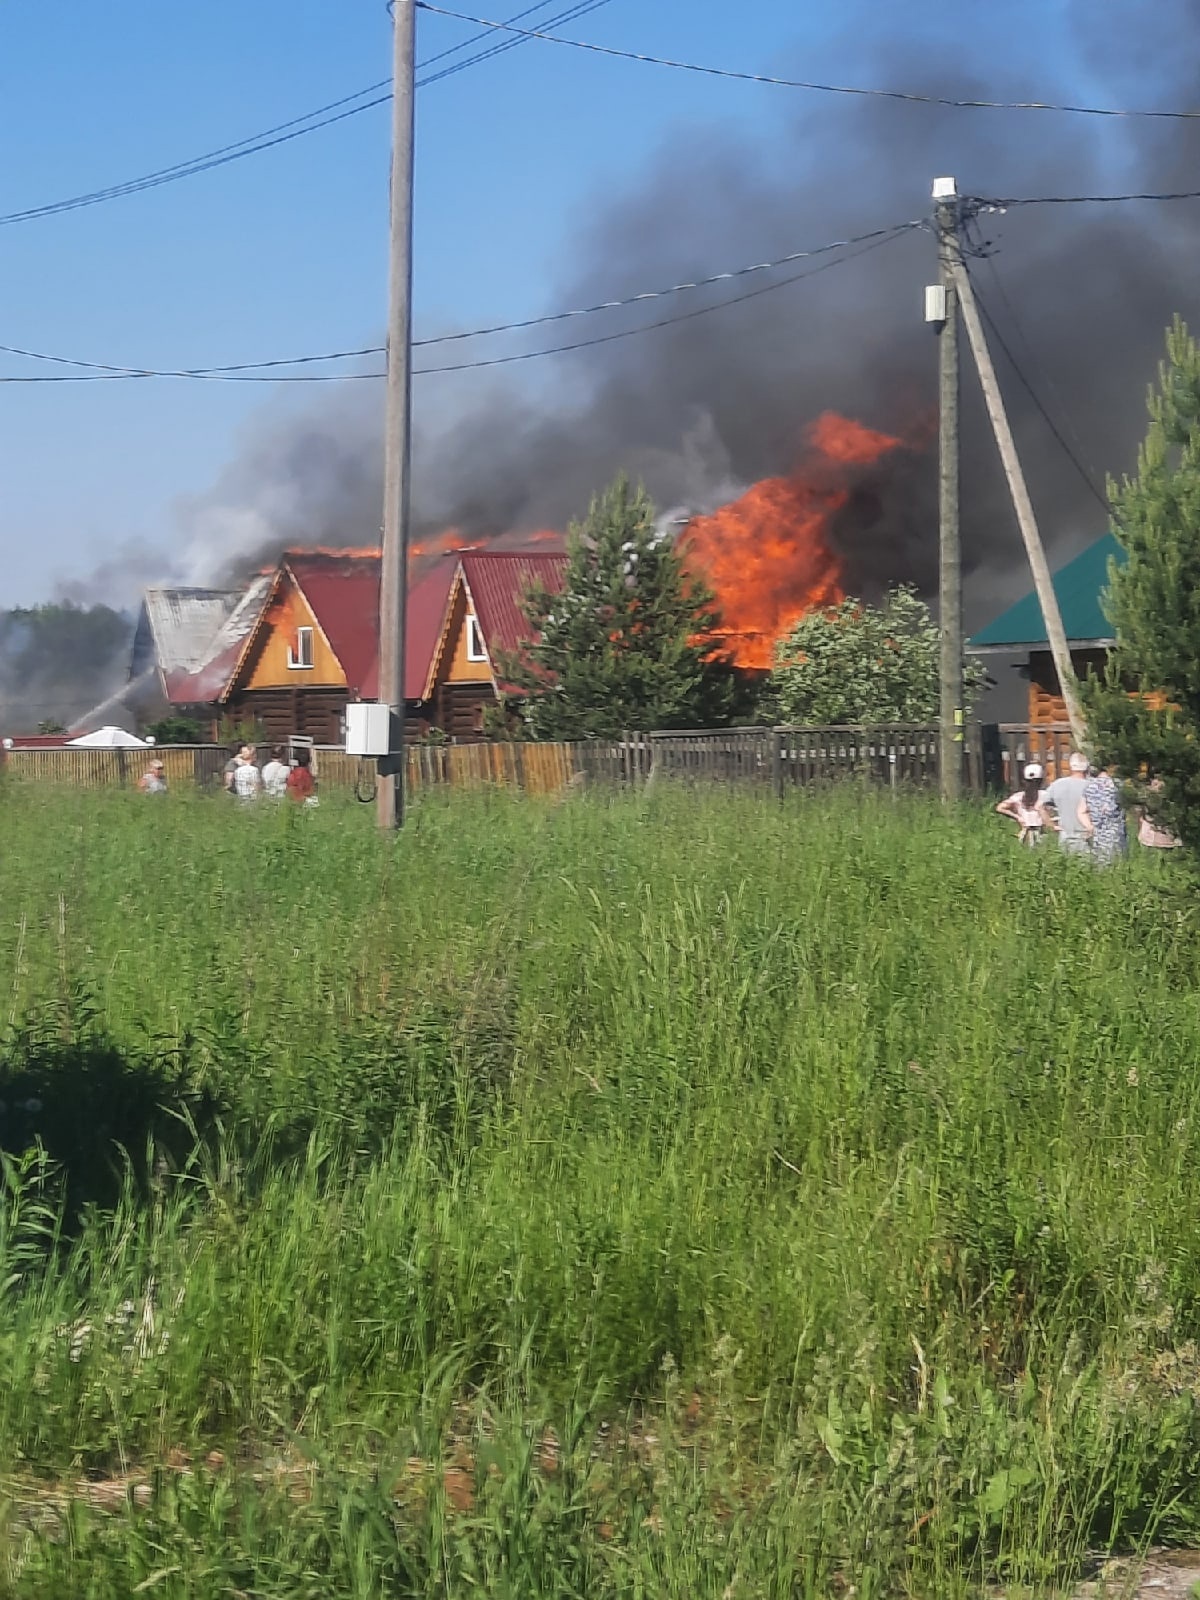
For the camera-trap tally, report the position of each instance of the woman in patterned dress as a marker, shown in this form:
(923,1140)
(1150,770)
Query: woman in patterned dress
(1101,815)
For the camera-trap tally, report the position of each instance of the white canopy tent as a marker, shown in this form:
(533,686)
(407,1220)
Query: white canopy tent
(109,739)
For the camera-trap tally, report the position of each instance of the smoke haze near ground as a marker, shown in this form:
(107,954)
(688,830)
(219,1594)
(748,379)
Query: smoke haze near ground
(702,409)
(57,661)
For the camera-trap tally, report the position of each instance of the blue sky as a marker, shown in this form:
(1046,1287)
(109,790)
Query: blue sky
(284,252)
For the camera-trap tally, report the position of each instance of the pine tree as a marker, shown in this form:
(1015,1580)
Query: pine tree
(628,643)
(1144,717)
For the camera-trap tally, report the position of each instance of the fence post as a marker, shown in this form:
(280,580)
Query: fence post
(777,762)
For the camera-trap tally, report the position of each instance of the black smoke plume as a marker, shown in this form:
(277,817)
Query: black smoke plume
(707,405)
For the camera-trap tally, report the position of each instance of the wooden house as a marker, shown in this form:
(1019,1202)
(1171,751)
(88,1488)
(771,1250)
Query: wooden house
(315,644)
(1021,631)
(185,645)
(289,650)
(482,623)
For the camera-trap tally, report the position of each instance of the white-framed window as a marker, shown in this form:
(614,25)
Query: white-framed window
(475,649)
(300,654)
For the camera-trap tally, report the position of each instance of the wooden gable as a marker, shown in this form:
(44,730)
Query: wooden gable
(276,646)
(452,662)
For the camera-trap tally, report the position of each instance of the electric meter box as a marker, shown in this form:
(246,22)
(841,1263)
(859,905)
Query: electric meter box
(368,729)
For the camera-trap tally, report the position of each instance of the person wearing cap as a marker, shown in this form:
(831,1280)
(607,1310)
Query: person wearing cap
(1060,807)
(1101,815)
(154,779)
(1025,807)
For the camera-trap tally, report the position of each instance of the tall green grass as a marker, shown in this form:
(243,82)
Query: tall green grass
(821,1175)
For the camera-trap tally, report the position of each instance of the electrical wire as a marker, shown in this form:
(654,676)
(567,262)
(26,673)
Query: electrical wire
(574,14)
(1097,493)
(910,96)
(1009,203)
(282,132)
(184,372)
(987,255)
(887,237)
(104,369)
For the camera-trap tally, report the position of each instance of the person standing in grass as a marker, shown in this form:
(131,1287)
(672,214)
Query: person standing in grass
(1060,807)
(1025,807)
(275,774)
(301,785)
(230,768)
(247,779)
(1150,835)
(1101,815)
(154,779)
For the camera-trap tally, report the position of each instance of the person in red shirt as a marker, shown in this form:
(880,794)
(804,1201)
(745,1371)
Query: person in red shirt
(300,784)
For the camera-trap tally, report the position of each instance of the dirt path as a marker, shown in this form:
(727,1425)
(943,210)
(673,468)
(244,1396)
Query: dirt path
(1164,1575)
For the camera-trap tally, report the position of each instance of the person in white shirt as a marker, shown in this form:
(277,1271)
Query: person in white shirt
(247,779)
(1060,805)
(275,774)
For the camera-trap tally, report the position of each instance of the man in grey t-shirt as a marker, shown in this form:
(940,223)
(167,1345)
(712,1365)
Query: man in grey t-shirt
(1060,803)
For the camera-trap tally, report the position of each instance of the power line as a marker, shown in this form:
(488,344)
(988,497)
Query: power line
(886,237)
(106,369)
(573,15)
(246,372)
(1097,493)
(1010,202)
(1039,369)
(283,132)
(909,96)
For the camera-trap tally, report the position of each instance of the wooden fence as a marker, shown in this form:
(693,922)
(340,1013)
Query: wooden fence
(1049,744)
(103,769)
(898,756)
(535,768)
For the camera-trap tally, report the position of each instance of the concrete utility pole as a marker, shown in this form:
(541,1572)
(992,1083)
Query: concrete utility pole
(393,578)
(1022,504)
(944,311)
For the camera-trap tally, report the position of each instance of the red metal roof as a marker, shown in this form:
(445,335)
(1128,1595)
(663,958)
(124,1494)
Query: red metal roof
(427,599)
(496,582)
(343,593)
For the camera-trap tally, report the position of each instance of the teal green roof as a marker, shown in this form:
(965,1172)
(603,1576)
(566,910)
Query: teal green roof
(1078,586)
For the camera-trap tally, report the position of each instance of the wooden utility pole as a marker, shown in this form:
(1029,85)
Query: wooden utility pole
(950,711)
(1042,581)
(393,577)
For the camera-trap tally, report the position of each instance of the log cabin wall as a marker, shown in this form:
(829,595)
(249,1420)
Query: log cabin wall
(1046,704)
(314,713)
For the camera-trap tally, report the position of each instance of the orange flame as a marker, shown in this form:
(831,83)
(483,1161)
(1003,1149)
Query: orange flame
(439,544)
(767,556)
(450,541)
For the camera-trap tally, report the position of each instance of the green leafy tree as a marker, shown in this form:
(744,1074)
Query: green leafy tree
(176,730)
(858,665)
(1144,715)
(629,642)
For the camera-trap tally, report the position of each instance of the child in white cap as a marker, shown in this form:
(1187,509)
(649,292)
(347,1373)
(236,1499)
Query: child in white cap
(1025,807)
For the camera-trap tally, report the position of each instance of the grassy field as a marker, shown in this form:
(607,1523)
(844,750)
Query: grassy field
(684,1195)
